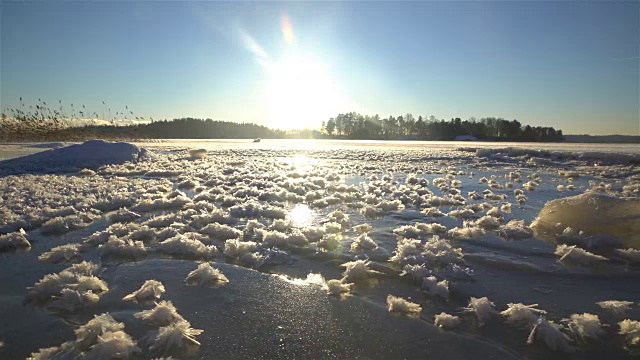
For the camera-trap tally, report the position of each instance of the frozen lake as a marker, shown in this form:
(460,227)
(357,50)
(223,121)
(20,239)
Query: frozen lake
(12,150)
(269,214)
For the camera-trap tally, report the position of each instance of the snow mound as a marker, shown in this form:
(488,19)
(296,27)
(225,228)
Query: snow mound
(446,321)
(116,344)
(69,300)
(61,254)
(174,338)
(357,270)
(151,290)
(432,287)
(515,229)
(69,289)
(420,230)
(337,287)
(594,214)
(123,215)
(577,255)
(90,154)
(235,248)
(417,271)
(206,274)
(398,304)
(163,314)
(520,314)
(87,334)
(550,334)
(122,249)
(221,232)
(363,243)
(630,255)
(482,307)
(14,241)
(184,247)
(631,330)
(617,307)
(586,326)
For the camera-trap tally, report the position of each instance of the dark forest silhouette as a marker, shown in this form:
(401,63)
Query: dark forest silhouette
(185,128)
(357,126)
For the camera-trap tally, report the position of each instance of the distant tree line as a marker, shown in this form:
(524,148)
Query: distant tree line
(619,139)
(357,126)
(45,122)
(192,128)
(184,128)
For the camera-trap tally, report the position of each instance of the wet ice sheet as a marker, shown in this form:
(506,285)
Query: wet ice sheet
(11,151)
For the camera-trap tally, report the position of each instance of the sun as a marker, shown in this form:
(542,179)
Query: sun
(301,93)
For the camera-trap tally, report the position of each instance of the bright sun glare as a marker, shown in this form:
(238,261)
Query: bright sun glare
(300,91)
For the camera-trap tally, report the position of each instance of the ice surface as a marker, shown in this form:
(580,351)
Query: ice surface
(594,214)
(263,211)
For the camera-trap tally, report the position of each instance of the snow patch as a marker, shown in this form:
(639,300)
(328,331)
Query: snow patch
(90,154)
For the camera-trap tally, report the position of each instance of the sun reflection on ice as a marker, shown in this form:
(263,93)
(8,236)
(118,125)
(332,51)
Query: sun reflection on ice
(301,162)
(301,216)
(311,279)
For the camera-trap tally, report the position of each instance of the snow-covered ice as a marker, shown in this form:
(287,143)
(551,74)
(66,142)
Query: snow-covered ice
(443,228)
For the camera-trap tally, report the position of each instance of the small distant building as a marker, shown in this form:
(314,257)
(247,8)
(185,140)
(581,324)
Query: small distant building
(466,138)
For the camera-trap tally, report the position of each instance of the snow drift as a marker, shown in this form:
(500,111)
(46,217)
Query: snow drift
(90,154)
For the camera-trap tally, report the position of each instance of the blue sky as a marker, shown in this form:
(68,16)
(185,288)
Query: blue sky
(570,65)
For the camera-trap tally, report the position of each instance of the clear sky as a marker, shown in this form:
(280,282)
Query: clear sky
(571,65)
